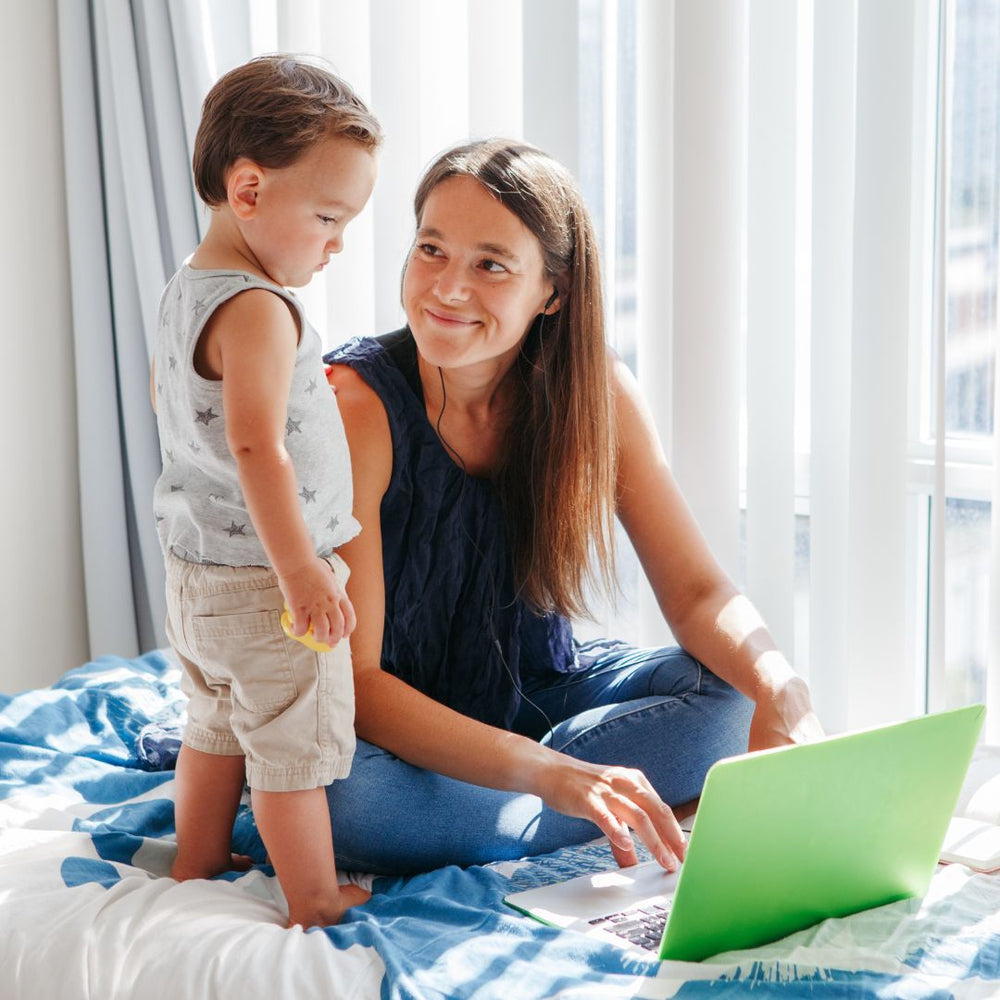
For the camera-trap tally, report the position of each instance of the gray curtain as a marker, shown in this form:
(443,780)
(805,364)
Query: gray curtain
(131,74)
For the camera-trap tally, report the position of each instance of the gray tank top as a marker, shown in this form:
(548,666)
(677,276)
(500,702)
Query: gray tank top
(201,515)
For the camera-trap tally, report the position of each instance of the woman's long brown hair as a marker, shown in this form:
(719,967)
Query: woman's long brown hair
(557,478)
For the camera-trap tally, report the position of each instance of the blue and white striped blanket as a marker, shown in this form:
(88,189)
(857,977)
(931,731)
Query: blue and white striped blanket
(86,909)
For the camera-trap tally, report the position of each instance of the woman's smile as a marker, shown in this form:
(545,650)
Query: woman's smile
(447,319)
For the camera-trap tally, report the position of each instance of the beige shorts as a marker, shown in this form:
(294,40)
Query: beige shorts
(252,690)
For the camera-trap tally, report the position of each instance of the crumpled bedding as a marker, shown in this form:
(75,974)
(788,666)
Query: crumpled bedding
(87,909)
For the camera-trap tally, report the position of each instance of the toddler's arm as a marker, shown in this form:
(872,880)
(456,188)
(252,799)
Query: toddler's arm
(252,342)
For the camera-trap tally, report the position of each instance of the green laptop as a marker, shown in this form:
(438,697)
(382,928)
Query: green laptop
(784,838)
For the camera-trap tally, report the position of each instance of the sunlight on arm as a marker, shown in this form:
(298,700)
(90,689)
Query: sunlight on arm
(739,621)
(776,688)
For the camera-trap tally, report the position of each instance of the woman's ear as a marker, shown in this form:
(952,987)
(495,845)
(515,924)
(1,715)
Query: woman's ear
(555,301)
(243,187)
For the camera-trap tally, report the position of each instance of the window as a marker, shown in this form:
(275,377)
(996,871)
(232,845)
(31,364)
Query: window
(973,258)
(946,591)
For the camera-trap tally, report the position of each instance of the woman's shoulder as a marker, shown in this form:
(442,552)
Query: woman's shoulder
(356,399)
(386,363)
(626,395)
(366,425)
(378,408)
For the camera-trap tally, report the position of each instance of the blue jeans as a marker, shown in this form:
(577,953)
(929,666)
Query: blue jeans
(658,710)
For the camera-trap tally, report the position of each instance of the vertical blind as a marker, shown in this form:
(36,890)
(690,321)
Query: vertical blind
(833,192)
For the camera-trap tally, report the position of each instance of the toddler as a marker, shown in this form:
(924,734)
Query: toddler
(255,496)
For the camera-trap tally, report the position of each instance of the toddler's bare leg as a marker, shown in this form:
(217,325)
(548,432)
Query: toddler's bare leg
(295,827)
(207,796)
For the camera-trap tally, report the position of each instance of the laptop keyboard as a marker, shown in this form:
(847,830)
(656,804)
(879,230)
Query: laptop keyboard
(642,926)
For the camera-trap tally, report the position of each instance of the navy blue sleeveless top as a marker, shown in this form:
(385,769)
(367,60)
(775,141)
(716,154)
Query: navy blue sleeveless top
(453,626)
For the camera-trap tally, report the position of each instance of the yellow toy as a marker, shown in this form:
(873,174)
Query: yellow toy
(306,639)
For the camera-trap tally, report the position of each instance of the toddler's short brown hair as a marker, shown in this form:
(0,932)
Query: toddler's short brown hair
(271,110)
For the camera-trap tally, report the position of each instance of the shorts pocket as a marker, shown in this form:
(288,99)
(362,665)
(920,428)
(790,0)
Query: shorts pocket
(248,651)
(340,569)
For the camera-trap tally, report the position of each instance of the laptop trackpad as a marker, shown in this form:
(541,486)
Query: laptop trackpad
(587,897)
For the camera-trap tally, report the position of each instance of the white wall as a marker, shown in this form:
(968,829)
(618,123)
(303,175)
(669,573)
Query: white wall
(42,610)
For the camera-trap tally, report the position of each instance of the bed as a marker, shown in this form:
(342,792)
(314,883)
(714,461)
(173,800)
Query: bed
(86,909)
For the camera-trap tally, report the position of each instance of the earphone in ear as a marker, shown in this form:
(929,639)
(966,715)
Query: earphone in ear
(545,309)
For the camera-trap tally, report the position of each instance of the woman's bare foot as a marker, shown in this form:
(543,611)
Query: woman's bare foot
(323,913)
(686,809)
(188,868)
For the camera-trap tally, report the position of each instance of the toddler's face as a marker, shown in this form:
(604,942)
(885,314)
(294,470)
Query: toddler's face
(301,210)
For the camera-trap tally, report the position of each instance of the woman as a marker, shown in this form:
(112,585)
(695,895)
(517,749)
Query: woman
(493,442)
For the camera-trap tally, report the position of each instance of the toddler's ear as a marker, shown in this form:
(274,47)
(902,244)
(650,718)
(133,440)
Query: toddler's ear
(243,187)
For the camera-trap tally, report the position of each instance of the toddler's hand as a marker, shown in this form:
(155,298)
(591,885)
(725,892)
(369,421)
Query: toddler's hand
(315,597)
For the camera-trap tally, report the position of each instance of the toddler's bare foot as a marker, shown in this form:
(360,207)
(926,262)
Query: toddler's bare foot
(188,868)
(323,913)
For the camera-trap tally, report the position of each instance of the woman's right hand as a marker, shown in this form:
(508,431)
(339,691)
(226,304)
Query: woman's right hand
(615,799)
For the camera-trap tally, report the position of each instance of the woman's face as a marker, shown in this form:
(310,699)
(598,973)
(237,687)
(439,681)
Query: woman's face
(474,279)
